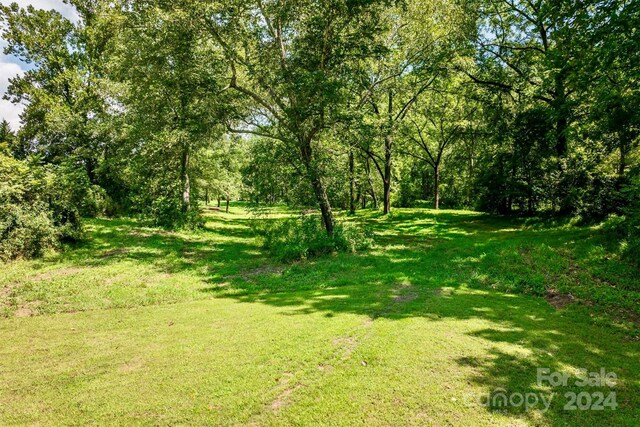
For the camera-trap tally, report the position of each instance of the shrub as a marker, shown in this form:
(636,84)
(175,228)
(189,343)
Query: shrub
(630,226)
(626,228)
(164,211)
(167,212)
(26,231)
(41,206)
(304,237)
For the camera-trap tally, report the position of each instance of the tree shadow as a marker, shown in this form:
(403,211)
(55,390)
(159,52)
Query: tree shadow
(449,266)
(434,266)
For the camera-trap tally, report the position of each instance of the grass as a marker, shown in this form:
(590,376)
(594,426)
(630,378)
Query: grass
(142,326)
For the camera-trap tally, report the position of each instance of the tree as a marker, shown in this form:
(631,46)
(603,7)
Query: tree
(434,127)
(63,89)
(220,169)
(607,74)
(293,60)
(170,79)
(7,137)
(421,39)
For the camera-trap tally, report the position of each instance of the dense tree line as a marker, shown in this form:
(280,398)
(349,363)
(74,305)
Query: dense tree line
(506,106)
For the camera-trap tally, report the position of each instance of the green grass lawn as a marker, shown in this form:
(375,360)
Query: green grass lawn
(144,326)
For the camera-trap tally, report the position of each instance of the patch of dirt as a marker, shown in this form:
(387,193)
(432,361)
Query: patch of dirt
(405,297)
(442,292)
(404,293)
(559,300)
(6,291)
(285,378)
(284,397)
(61,272)
(325,367)
(24,312)
(367,322)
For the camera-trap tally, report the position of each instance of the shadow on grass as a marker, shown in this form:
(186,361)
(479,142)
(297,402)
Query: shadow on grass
(435,266)
(454,266)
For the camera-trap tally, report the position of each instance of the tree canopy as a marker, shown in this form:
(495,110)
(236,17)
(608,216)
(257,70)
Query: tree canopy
(506,106)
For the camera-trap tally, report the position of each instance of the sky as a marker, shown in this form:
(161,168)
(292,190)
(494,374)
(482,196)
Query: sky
(11,66)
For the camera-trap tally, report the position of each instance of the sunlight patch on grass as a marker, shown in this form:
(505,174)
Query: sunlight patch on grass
(216,332)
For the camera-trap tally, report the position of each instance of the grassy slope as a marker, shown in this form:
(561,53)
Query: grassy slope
(147,327)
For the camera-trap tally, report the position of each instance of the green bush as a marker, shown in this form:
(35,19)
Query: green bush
(41,205)
(26,232)
(305,237)
(630,227)
(166,211)
(625,229)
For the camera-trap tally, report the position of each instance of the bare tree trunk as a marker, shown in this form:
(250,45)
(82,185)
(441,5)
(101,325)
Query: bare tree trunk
(436,183)
(184,179)
(622,165)
(388,143)
(352,184)
(227,208)
(317,184)
(386,182)
(372,191)
(471,171)
(218,201)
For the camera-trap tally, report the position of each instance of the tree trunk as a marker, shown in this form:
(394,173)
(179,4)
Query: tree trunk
(388,143)
(352,184)
(218,201)
(436,185)
(184,179)
(471,172)
(387,175)
(206,196)
(323,201)
(622,165)
(227,208)
(372,191)
(560,106)
(318,186)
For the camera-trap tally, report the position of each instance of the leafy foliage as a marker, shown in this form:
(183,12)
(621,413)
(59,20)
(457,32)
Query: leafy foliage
(304,237)
(26,231)
(151,108)
(42,205)
(627,227)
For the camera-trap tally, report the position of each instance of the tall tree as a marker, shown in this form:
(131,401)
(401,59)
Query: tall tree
(7,137)
(64,87)
(434,126)
(524,49)
(171,95)
(292,59)
(420,42)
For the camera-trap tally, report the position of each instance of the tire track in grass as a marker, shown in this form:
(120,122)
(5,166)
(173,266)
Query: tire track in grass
(344,350)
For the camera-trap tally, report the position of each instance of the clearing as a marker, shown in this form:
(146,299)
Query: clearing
(144,326)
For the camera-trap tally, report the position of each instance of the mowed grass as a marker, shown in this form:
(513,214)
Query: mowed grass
(141,326)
